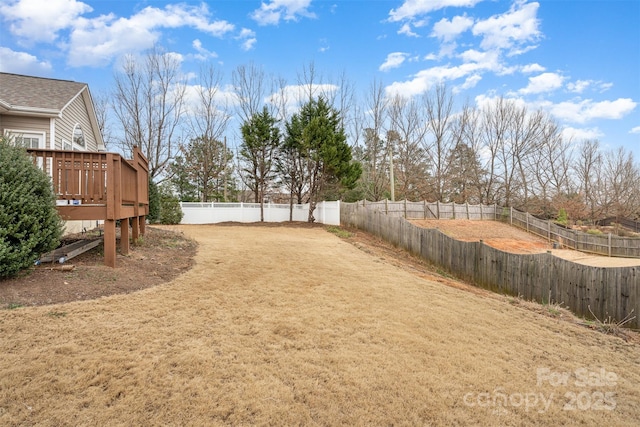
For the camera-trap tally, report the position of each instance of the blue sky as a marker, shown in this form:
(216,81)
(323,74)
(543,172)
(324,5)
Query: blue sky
(578,60)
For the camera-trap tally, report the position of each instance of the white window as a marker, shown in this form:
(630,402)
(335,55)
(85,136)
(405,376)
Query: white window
(26,139)
(78,137)
(66,145)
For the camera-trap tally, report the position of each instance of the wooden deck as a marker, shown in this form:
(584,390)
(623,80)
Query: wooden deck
(100,186)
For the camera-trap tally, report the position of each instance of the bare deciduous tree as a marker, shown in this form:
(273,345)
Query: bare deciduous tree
(149,104)
(102,104)
(374,158)
(587,165)
(250,89)
(438,112)
(406,136)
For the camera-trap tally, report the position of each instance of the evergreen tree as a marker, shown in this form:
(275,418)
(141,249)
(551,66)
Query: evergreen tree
(465,175)
(181,181)
(317,136)
(207,162)
(260,142)
(29,222)
(154,202)
(170,210)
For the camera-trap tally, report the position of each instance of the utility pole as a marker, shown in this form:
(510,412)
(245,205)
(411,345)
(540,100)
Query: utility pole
(391,179)
(224,159)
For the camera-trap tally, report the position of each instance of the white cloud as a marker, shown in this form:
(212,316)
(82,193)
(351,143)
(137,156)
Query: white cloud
(22,63)
(272,12)
(293,96)
(248,38)
(532,68)
(473,55)
(394,60)
(203,53)
(426,79)
(483,101)
(546,82)
(95,42)
(511,30)
(574,134)
(580,86)
(586,110)
(635,130)
(40,21)
(469,83)
(222,96)
(447,30)
(412,8)
(406,30)
(475,63)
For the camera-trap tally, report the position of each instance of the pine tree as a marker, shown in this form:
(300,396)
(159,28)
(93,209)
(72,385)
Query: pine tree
(317,136)
(260,142)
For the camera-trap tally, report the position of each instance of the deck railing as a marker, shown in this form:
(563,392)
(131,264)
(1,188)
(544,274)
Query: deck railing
(99,186)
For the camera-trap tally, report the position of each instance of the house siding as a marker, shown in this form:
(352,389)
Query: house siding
(27,124)
(75,112)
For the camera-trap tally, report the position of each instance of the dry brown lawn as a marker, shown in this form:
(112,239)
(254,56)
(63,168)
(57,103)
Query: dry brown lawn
(295,326)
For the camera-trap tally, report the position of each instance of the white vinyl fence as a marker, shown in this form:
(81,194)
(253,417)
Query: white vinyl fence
(211,213)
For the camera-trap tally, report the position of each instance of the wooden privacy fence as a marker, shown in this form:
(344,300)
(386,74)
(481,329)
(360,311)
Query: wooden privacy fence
(435,210)
(607,244)
(542,277)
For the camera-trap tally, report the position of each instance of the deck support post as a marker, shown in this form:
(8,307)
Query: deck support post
(110,242)
(135,229)
(124,236)
(143,224)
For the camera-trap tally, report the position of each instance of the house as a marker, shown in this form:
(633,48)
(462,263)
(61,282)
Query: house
(42,113)
(48,113)
(56,121)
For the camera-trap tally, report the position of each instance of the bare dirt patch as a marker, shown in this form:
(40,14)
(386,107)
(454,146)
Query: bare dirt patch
(515,240)
(290,326)
(494,233)
(160,256)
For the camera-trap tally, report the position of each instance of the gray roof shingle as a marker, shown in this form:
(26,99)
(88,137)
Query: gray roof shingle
(37,92)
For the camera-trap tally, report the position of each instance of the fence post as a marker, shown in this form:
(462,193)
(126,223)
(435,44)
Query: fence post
(481,217)
(467,206)
(549,230)
(495,211)
(511,215)
(453,209)
(609,244)
(575,239)
(424,209)
(405,208)
(386,207)
(438,208)
(526,215)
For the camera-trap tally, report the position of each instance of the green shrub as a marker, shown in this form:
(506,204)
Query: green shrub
(170,210)
(29,222)
(595,232)
(563,218)
(154,202)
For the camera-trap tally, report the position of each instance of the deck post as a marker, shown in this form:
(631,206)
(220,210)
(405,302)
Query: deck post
(110,242)
(143,224)
(124,236)
(135,229)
